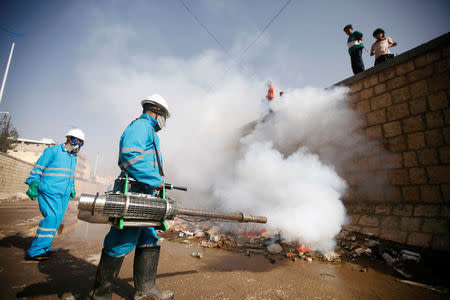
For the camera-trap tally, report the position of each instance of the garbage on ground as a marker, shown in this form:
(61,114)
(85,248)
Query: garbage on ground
(409,255)
(197,254)
(331,256)
(274,248)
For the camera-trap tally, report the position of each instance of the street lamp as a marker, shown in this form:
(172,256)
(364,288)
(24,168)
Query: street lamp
(14,36)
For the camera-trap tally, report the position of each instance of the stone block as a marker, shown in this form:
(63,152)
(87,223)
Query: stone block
(351,227)
(413,124)
(420,61)
(383,209)
(447,116)
(410,159)
(431,193)
(428,157)
(411,194)
(419,74)
(411,224)
(392,161)
(418,89)
(398,111)
(370,81)
(360,194)
(390,222)
(396,82)
(434,119)
(381,177)
(391,129)
(438,82)
(440,242)
(374,132)
(400,95)
(354,219)
(438,100)
(442,66)
(433,56)
(364,208)
(394,235)
(404,67)
(418,105)
(439,174)
(399,177)
(393,194)
(363,106)
(369,221)
(356,86)
(417,176)
(353,179)
(374,163)
(397,144)
(445,188)
(446,134)
(376,117)
(416,140)
(444,154)
(367,93)
(405,210)
(380,88)
(427,210)
(362,164)
(419,239)
(380,101)
(434,138)
(350,196)
(386,74)
(435,225)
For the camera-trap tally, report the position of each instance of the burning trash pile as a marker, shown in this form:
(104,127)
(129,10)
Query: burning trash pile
(253,239)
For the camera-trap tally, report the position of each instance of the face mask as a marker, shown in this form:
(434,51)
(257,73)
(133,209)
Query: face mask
(161,123)
(72,148)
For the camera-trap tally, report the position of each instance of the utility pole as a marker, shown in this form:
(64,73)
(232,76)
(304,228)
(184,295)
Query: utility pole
(14,36)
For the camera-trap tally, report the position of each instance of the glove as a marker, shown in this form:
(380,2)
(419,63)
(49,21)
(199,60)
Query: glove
(73,193)
(33,190)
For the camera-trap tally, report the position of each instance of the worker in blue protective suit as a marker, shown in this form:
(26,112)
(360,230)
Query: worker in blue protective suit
(140,158)
(51,181)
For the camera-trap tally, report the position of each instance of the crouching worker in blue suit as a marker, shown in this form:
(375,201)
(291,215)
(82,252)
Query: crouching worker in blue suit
(140,158)
(52,182)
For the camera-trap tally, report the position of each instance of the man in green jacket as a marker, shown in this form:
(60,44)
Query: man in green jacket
(355,47)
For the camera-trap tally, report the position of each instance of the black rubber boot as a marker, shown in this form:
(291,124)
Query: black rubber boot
(145,266)
(107,271)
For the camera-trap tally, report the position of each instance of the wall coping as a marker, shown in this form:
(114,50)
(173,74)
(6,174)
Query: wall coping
(401,58)
(15,158)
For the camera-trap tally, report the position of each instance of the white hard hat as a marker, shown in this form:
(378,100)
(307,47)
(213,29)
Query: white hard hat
(157,100)
(78,133)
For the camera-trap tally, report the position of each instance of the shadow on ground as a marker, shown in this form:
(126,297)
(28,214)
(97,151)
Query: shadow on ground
(67,274)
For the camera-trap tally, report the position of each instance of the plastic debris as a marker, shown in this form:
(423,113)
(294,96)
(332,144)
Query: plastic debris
(197,254)
(389,260)
(274,248)
(409,255)
(331,256)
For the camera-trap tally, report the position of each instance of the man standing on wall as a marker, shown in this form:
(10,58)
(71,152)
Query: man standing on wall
(355,47)
(52,182)
(140,158)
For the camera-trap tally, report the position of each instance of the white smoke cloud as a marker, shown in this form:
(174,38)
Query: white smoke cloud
(283,169)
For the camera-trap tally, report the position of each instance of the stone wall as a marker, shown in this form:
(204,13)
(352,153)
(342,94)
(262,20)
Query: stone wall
(13,173)
(400,189)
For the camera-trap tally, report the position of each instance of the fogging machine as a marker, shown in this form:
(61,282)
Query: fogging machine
(144,210)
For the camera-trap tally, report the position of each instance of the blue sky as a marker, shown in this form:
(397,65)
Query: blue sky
(86,63)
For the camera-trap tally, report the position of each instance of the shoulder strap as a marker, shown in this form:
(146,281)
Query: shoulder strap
(161,172)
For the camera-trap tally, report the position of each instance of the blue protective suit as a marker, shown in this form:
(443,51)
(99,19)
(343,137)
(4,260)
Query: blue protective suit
(137,157)
(55,171)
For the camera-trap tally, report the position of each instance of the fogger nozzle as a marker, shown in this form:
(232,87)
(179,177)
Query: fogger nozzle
(147,207)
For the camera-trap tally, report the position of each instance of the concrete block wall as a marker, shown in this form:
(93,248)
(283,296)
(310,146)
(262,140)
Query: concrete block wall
(400,189)
(14,172)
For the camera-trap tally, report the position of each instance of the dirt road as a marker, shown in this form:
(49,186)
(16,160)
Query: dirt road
(218,275)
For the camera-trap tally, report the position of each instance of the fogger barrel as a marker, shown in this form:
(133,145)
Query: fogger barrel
(145,209)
